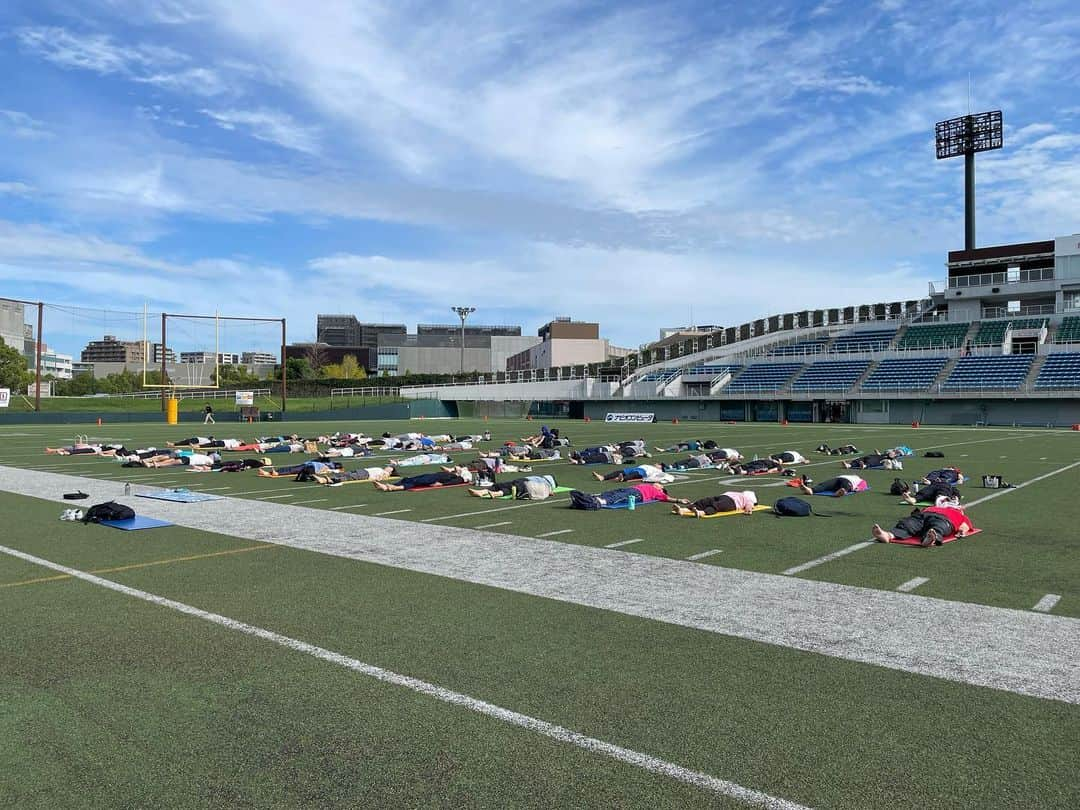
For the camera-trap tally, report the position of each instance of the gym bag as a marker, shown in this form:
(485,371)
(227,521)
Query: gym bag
(108,511)
(792,507)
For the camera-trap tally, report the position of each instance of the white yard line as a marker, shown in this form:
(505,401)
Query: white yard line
(1046,604)
(349,506)
(702,555)
(493,525)
(552,534)
(273,497)
(395,512)
(620,544)
(628,756)
(798,569)
(912,584)
(314,500)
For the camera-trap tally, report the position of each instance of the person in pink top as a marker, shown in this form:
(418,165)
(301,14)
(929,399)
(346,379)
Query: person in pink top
(744,501)
(651,492)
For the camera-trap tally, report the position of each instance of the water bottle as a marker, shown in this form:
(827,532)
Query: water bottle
(127,489)
(632,503)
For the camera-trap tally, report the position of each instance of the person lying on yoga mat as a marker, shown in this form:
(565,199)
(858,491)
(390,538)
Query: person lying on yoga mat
(530,488)
(490,467)
(744,501)
(633,449)
(533,454)
(455,445)
(339,477)
(930,525)
(183,458)
(207,442)
(596,455)
(759,466)
(724,454)
(839,486)
(233,465)
(789,457)
(689,445)
(641,493)
(844,450)
(947,494)
(347,451)
(946,475)
(646,472)
(75,450)
(421,460)
(889,460)
(442,478)
(700,462)
(313,467)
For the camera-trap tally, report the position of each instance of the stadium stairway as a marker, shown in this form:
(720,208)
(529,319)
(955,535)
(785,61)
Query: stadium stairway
(943,375)
(857,385)
(1036,366)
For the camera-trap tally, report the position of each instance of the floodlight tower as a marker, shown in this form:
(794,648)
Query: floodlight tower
(965,136)
(463,313)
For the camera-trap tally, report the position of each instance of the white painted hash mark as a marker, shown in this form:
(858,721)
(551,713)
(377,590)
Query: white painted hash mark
(348,506)
(623,543)
(912,584)
(704,554)
(828,557)
(493,525)
(552,534)
(395,512)
(1046,604)
(629,756)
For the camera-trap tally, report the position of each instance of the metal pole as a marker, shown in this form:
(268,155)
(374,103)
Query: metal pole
(969,201)
(284,367)
(463,316)
(164,393)
(37,362)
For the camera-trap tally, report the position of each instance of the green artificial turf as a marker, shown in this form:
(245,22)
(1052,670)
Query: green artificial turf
(110,701)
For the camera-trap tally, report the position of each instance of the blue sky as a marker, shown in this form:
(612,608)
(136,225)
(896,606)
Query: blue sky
(620,162)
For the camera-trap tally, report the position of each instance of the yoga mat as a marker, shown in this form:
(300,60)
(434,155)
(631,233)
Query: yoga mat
(915,541)
(179,496)
(136,523)
(758,508)
(833,495)
(442,486)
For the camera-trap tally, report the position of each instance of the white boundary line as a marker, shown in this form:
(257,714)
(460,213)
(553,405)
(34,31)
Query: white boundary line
(620,544)
(912,584)
(798,569)
(637,759)
(273,497)
(316,500)
(705,554)
(1046,604)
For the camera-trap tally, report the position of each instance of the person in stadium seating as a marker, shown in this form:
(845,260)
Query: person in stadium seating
(744,501)
(646,472)
(839,486)
(442,478)
(530,488)
(789,457)
(930,525)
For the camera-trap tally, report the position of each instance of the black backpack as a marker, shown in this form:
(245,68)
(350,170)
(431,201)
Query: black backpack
(792,507)
(933,454)
(108,511)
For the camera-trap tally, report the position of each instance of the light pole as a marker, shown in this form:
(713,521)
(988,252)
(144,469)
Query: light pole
(463,313)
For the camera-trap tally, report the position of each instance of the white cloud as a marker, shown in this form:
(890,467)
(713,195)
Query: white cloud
(272,126)
(20,125)
(16,189)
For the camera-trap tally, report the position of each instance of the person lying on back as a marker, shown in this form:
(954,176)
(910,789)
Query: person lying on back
(646,472)
(641,493)
(839,486)
(789,457)
(931,525)
(442,478)
(744,501)
(530,488)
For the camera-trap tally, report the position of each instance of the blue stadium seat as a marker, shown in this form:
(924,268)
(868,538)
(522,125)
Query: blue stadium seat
(999,372)
(764,377)
(1060,371)
(907,374)
(830,375)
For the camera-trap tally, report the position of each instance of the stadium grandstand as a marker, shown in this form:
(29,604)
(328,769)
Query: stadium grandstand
(997,341)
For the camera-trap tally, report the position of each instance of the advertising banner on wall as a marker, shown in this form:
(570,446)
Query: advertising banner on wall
(630,417)
(245,398)
(5,397)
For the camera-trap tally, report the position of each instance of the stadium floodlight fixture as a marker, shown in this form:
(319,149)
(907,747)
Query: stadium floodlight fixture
(967,135)
(463,313)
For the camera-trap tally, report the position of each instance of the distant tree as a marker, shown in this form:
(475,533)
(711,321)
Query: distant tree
(13,371)
(351,368)
(298,368)
(228,376)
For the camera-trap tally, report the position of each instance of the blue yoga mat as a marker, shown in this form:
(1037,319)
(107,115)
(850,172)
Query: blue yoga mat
(136,523)
(179,496)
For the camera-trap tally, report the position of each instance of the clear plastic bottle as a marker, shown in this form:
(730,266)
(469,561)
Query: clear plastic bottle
(127,489)
(631,505)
